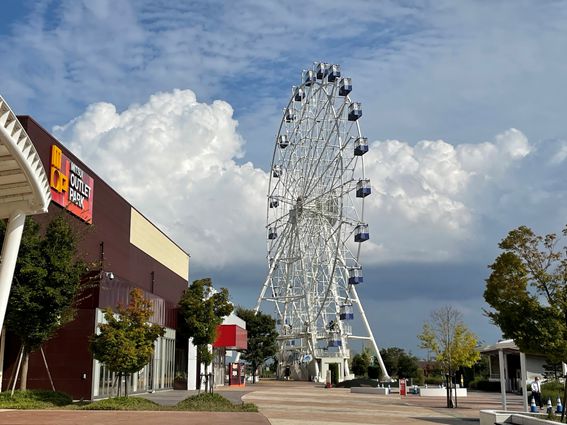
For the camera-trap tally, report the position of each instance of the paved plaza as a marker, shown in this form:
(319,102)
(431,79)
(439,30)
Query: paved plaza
(285,403)
(294,403)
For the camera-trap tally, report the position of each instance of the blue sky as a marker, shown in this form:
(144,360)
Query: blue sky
(464,106)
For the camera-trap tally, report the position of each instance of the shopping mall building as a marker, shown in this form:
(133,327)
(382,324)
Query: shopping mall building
(130,252)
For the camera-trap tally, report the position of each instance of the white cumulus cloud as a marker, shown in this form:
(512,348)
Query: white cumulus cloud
(177,160)
(435,201)
(173,158)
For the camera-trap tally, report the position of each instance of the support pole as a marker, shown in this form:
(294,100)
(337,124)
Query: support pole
(10,248)
(502,378)
(47,368)
(17,370)
(523,380)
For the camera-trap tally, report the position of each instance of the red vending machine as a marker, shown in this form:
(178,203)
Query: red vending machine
(237,374)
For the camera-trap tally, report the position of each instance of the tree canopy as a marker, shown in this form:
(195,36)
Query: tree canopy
(262,334)
(527,292)
(47,281)
(125,342)
(202,311)
(448,338)
(360,363)
(398,363)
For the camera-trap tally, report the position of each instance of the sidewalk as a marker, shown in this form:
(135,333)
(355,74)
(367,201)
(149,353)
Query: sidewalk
(172,397)
(98,417)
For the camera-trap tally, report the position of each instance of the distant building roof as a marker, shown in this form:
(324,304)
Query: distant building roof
(505,344)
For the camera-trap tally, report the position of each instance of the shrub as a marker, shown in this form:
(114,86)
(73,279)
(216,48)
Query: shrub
(33,399)
(551,390)
(214,403)
(482,384)
(122,403)
(373,372)
(434,380)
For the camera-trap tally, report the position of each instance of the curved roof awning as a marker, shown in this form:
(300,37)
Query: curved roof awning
(24,185)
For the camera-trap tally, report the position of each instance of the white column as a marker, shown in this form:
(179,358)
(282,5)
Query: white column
(523,380)
(2,345)
(502,378)
(10,248)
(191,365)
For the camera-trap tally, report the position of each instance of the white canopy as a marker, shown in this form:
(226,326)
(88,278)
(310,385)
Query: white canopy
(24,190)
(24,185)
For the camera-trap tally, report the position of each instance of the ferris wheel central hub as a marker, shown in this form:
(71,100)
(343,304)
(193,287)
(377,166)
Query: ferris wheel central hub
(315,223)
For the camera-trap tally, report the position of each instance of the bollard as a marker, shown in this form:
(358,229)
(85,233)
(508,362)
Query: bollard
(549,406)
(559,406)
(533,407)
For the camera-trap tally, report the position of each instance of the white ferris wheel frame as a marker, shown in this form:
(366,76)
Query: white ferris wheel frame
(312,214)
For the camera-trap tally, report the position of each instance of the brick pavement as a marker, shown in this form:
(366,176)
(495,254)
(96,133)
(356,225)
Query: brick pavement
(94,417)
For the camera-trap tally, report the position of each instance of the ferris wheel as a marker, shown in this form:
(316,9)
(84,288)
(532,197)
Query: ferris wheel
(316,228)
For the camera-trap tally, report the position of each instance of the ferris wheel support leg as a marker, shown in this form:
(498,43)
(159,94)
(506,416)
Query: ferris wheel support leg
(264,287)
(371,335)
(262,292)
(267,281)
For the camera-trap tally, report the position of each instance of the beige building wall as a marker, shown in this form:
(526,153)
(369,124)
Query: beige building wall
(153,242)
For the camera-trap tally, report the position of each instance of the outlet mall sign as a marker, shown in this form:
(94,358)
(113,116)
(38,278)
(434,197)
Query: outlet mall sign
(71,187)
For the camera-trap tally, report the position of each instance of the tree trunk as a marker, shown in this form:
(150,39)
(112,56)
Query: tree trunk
(24,378)
(127,375)
(119,384)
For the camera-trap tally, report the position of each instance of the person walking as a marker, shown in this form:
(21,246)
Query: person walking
(536,392)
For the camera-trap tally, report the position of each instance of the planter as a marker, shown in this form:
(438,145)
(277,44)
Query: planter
(491,417)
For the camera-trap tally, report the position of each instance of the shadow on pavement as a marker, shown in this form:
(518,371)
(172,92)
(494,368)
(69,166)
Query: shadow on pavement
(448,421)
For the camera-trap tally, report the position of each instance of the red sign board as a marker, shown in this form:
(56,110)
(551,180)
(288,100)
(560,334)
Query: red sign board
(231,337)
(402,387)
(71,187)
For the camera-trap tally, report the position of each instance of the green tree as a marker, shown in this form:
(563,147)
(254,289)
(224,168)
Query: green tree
(399,363)
(360,363)
(447,337)
(527,293)
(47,282)
(202,311)
(125,342)
(390,357)
(262,334)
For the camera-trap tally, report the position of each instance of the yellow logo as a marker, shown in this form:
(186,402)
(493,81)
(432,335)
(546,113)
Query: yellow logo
(58,180)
